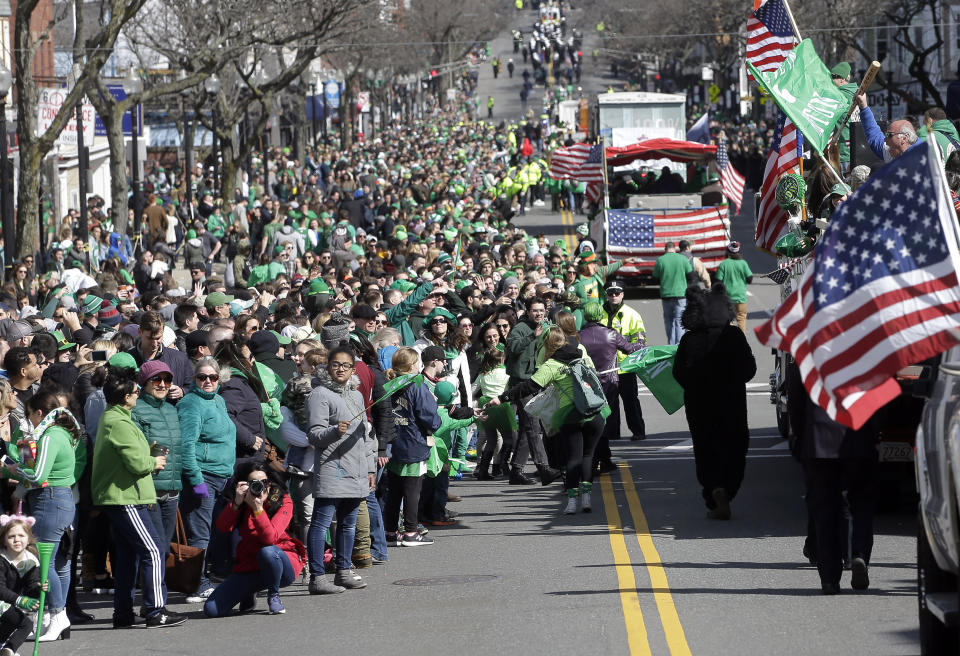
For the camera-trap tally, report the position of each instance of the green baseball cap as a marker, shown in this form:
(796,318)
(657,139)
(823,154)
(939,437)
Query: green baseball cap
(318,286)
(280,338)
(215,299)
(123,361)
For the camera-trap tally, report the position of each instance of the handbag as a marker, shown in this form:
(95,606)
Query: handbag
(184,563)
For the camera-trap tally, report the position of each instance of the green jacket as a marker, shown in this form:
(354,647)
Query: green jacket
(521,352)
(589,288)
(56,463)
(160,423)
(397,315)
(945,134)
(671,270)
(122,464)
(734,274)
(209,437)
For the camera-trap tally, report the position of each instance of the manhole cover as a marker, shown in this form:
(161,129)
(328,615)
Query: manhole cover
(458,579)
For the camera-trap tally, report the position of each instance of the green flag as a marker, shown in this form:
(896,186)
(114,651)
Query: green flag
(804,90)
(654,366)
(397,383)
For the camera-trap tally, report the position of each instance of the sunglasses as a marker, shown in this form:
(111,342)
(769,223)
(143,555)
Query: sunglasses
(503,325)
(204,377)
(466,324)
(437,321)
(162,379)
(614,292)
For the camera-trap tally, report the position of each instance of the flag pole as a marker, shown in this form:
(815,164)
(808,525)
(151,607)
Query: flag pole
(793,21)
(603,169)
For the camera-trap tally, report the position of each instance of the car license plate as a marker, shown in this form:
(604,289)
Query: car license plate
(896,452)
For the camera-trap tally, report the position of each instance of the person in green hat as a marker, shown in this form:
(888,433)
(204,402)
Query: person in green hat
(712,193)
(88,320)
(440,329)
(592,277)
(841,78)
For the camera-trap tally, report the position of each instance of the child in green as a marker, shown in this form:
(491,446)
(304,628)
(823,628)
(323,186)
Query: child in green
(433,498)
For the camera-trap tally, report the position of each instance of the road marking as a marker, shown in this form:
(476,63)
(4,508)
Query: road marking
(632,614)
(672,628)
(685,445)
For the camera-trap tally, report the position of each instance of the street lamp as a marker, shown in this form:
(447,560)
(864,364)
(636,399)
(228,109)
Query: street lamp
(82,163)
(6,178)
(133,86)
(212,86)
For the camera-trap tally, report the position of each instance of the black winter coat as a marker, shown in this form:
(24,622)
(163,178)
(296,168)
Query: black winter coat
(243,406)
(819,436)
(713,365)
(12,585)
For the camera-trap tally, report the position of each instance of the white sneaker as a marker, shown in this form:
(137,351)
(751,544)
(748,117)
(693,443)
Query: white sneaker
(585,505)
(571,508)
(200,597)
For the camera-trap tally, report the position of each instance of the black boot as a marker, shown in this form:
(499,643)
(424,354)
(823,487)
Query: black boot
(482,472)
(517,477)
(75,614)
(548,474)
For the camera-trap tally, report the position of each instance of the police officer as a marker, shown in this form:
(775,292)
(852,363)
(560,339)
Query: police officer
(625,320)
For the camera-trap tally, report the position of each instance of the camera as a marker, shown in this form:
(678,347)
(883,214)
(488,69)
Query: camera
(257,487)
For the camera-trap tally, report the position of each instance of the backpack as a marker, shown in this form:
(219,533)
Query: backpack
(588,396)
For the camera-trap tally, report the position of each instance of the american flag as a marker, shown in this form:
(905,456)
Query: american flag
(730,180)
(770,36)
(638,237)
(785,154)
(591,172)
(565,162)
(882,292)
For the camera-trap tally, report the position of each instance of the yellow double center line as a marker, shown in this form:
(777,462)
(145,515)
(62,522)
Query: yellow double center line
(637,637)
(566,218)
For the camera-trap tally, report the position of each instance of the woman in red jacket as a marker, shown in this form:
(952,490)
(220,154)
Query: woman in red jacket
(267,557)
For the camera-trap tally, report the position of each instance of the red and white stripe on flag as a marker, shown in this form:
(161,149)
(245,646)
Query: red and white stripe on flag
(708,230)
(770,36)
(565,162)
(882,292)
(783,159)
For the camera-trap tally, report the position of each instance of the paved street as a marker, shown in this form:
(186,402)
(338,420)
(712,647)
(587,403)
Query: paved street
(645,573)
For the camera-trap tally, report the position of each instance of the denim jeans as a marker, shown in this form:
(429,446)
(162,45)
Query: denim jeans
(54,511)
(276,572)
(323,512)
(198,519)
(136,550)
(672,311)
(164,515)
(378,538)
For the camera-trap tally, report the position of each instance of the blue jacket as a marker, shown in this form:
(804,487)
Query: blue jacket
(875,136)
(415,416)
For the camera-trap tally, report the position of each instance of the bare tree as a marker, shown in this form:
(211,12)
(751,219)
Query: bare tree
(91,52)
(446,31)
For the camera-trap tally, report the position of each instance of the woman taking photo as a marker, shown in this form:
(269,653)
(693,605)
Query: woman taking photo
(49,469)
(122,485)
(344,467)
(161,426)
(580,434)
(209,442)
(415,409)
(267,558)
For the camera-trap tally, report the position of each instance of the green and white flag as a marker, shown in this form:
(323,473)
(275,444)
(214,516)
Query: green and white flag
(804,90)
(654,367)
